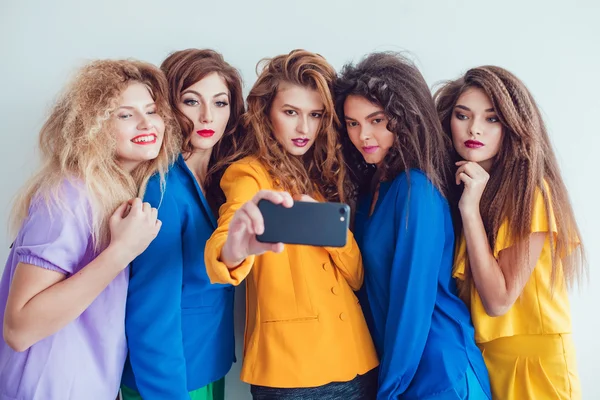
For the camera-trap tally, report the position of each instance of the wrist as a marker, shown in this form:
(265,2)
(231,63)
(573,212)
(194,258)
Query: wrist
(230,260)
(119,256)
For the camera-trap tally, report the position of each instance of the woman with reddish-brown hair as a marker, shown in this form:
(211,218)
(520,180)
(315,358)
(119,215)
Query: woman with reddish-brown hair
(180,327)
(306,336)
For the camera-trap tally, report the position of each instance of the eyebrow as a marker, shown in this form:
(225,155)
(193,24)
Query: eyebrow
(199,95)
(296,108)
(368,116)
(468,109)
(132,108)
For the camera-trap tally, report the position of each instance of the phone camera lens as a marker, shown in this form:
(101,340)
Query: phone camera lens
(342,211)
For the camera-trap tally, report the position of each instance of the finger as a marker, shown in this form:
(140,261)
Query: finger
(277,247)
(146,207)
(288,201)
(158,225)
(241,223)
(136,205)
(459,163)
(120,211)
(256,218)
(459,171)
(270,195)
(465,179)
(154,214)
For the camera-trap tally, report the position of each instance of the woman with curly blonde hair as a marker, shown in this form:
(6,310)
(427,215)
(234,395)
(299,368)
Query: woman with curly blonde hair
(80,223)
(306,336)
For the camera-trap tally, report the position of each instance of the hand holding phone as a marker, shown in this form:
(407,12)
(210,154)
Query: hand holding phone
(306,222)
(248,222)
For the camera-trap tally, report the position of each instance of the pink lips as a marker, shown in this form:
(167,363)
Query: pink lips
(473,144)
(370,149)
(300,142)
(206,133)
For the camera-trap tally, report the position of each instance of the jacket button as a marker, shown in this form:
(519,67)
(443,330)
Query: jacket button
(343,316)
(335,290)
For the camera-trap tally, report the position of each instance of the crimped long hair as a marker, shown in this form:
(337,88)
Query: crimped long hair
(524,163)
(393,82)
(321,170)
(183,69)
(78,143)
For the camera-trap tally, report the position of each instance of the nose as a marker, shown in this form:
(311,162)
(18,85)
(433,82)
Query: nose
(302,125)
(145,123)
(364,134)
(206,116)
(475,129)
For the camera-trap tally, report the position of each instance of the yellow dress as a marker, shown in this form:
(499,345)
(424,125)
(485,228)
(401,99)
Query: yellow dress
(304,325)
(529,350)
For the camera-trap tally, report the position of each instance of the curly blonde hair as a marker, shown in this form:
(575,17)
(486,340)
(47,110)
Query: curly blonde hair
(78,143)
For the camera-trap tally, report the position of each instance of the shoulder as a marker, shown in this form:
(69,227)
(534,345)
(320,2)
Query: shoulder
(415,182)
(247,166)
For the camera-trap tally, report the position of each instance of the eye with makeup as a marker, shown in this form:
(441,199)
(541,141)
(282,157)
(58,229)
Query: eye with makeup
(376,121)
(221,103)
(124,116)
(190,102)
(316,114)
(351,124)
(290,112)
(460,116)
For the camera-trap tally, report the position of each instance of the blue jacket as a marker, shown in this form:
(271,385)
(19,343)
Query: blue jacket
(179,326)
(422,331)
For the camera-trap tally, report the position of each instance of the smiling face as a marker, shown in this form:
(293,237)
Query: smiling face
(139,129)
(476,130)
(366,124)
(296,115)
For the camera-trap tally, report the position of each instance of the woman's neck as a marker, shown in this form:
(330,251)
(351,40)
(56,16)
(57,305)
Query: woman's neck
(197,161)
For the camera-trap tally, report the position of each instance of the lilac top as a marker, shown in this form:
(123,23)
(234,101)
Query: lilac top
(84,360)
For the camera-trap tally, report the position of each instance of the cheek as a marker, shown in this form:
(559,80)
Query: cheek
(385,138)
(279,126)
(189,112)
(159,124)
(456,130)
(354,135)
(224,114)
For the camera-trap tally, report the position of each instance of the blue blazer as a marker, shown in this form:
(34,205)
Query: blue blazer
(421,329)
(179,326)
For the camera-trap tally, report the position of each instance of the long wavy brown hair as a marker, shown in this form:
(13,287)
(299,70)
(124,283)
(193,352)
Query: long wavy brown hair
(183,69)
(77,142)
(525,161)
(393,82)
(321,170)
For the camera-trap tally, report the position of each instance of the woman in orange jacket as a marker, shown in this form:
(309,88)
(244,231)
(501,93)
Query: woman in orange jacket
(306,335)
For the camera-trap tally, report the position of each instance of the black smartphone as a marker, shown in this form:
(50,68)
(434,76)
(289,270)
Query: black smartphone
(308,223)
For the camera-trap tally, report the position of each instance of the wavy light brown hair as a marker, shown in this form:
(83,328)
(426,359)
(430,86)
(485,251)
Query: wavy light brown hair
(393,82)
(78,143)
(525,161)
(321,170)
(183,69)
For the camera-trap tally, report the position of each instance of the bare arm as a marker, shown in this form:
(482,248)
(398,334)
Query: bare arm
(41,302)
(496,281)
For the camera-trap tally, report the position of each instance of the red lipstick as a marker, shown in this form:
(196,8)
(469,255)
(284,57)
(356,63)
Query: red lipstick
(206,133)
(473,144)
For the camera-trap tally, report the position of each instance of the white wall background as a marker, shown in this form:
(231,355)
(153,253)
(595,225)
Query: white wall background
(552,45)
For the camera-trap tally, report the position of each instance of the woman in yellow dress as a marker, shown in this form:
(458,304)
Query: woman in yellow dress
(520,247)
